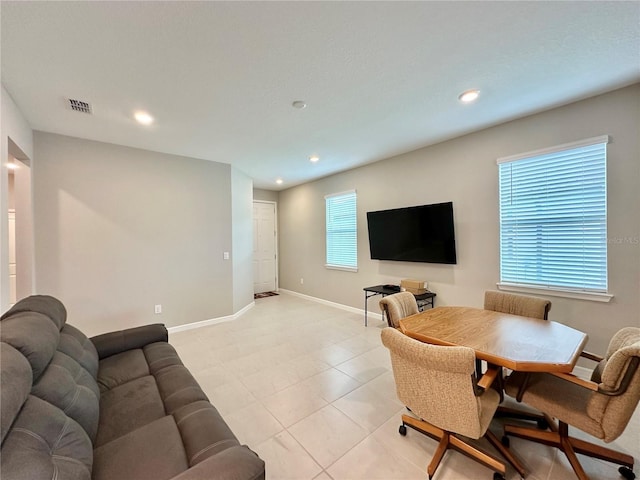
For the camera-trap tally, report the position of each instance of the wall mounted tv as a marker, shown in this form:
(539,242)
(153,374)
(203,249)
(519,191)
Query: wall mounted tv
(413,234)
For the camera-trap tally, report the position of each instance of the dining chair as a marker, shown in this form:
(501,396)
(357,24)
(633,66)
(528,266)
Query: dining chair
(524,306)
(600,407)
(398,306)
(439,386)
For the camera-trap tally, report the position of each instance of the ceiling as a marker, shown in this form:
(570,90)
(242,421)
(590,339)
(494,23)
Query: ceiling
(379,78)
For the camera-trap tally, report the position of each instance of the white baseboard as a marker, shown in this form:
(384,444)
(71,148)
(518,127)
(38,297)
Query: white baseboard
(212,321)
(359,311)
(579,371)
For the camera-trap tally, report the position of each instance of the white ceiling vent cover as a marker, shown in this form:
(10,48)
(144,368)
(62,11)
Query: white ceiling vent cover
(80,106)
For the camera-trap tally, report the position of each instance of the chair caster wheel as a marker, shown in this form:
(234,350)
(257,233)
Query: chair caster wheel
(498,476)
(627,473)
(505,441)
(543,424)
(402,430)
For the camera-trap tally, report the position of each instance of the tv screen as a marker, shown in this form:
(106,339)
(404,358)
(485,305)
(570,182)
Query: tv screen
(413,234)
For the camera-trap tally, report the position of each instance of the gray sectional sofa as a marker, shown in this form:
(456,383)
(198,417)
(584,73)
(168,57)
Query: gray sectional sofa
(119,406)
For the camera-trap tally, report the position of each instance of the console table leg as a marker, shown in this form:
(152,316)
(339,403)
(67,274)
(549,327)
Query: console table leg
(365,308)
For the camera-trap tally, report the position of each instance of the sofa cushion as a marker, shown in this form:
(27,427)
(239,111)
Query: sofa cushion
(45,443)
(131,397)
(76,344)
(203,431)
(160,355)
(33,335)
(122,368)
(152,452)
(127,407)
(176,384)
(235,463)
(178,388)
(15,384)
(72,389)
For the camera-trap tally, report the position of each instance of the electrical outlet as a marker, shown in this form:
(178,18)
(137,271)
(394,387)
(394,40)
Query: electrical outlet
(225,256)
(158,309)
(302,281)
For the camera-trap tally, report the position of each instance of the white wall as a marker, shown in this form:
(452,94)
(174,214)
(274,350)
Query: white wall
(464,171)
(119,230)
(242,233)
(14,131)
(265,195)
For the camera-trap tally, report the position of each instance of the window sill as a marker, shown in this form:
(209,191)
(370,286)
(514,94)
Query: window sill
(556,292)
(344,269)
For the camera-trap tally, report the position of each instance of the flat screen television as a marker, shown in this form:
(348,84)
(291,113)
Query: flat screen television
(413,234)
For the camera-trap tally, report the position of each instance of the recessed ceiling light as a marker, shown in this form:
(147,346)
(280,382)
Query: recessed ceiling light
(468,96)
(299,104)
(143,117)
(12,166)
(279,181)
(314,158)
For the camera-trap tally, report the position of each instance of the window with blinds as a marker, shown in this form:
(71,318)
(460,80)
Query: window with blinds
(553,217)
(342,235)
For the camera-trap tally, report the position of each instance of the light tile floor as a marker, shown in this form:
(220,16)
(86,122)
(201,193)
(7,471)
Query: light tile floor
(310,389)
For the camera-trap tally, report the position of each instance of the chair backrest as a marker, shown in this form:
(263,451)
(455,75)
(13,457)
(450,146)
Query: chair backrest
(436,383)
(614,412)
(517,304)
(398,306)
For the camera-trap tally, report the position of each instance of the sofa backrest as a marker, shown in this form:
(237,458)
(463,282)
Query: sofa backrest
(44,443)
(44,304)
(15,385)
(49,391)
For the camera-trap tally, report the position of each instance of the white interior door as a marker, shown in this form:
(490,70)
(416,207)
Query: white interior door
(264,247)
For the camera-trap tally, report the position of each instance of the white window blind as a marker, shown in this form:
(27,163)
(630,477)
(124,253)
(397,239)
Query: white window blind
(553,217)
(342,235)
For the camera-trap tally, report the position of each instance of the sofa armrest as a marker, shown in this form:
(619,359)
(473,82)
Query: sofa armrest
(235,463)
(111,343)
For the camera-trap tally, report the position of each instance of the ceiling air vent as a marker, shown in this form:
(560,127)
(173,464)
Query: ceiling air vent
(80,106)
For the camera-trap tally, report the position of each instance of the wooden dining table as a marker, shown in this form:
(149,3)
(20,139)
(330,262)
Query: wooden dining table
(519,343)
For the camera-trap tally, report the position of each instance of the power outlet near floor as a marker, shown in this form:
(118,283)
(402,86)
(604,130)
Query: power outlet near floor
(302,281)
(158,309)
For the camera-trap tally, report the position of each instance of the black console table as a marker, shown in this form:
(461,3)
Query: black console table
(423,300)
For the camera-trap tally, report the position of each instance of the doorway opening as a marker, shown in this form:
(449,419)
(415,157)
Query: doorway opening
(20,243)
